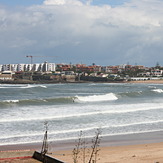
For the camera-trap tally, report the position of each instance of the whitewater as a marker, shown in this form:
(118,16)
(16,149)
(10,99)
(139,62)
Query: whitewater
(114,108)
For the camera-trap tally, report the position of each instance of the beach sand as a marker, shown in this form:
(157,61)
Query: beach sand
(133,148)
(146,153)
(147,81)
(17,156)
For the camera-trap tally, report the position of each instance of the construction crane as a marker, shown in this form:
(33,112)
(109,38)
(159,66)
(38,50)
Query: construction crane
(31,56)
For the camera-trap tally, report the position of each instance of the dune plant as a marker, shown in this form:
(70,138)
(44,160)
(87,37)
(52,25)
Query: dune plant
(85,154)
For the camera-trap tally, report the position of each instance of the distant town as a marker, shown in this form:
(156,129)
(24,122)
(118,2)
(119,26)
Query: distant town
(51,73)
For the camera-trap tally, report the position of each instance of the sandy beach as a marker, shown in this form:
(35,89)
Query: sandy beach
(145,153)
(136,148)
(133,148)
(147,81)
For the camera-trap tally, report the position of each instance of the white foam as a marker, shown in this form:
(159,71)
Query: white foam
(11,101)
(22,86)
(132,132)
(34,86)
(152,87)
(158,90)
(133,124)
(117,110)
(49,133)
(96,98)
(79,129)
(75,138)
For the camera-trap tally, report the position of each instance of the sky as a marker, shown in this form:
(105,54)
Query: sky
(104,32)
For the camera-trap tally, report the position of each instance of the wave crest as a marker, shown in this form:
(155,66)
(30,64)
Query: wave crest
(96,98)
(158,90)
(22,86)
(11,101)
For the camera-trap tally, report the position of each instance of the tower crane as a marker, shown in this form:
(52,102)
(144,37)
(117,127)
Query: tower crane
(31,56)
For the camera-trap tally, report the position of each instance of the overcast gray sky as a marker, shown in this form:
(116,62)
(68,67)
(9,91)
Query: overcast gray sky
(103,32)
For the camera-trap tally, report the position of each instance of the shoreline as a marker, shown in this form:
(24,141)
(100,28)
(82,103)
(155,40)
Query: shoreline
(116,140)
(132,148)
(82,81)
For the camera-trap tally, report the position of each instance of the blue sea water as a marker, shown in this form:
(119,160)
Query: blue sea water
(115,108)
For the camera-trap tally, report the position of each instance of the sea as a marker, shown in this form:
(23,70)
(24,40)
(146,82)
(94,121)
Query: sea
(68,109)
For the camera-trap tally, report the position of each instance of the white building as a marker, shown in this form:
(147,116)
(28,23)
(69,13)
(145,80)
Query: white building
(14,67)
(51,66)
(36,67)
(48,67)
(157,72)
(6,67)
(1,67)
(20,67)
(45,67)
(29,67)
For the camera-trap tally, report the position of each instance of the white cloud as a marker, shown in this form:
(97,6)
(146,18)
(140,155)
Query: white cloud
(62,2)
(78,31)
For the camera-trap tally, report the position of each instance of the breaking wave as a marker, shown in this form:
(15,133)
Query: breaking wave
(158,90)
(96,98)
(21,86)
(40,101)
(10,101)
(61,100)
(129,109)
(131,94)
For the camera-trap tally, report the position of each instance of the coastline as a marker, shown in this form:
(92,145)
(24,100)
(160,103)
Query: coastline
(132,148)
(115,140)
(82,81)
(147,81)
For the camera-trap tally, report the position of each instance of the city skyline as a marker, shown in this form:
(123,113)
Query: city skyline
(104,32)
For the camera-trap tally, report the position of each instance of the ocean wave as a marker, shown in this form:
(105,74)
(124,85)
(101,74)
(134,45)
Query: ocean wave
(96,98)
(40,101)
(131,94)
(21,86)
(141,93)
(49,133)
(10,101)
(118,110)
(152,87)
(132,132)
(92,128)
(158,90)
(34,86)
(36,140)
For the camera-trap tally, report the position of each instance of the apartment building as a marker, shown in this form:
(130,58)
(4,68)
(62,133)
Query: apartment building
(44,67)
(156,72)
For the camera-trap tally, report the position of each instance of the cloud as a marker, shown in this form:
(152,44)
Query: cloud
(62,2)
(78,31)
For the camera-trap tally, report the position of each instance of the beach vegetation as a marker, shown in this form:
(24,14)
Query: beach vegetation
(44,149)
(85,154)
